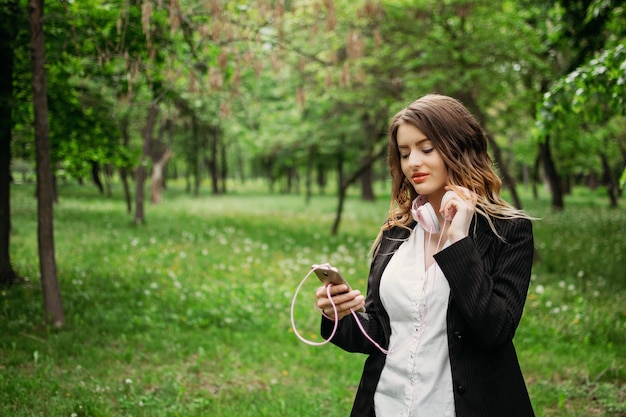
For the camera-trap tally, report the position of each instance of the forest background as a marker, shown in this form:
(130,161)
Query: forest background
(293,98)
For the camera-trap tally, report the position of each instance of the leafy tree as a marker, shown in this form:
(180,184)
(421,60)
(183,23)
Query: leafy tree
(83,134)
(574,31)
(586,100)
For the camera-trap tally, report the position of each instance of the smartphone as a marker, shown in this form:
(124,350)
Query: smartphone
(328,274)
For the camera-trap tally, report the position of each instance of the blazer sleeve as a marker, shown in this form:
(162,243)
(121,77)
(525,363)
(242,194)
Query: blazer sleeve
(349,336)
(489,278)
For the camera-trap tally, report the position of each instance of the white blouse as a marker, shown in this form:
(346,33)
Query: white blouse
(416,380)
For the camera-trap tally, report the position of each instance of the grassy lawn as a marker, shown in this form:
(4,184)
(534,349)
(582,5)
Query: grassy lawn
(188,315)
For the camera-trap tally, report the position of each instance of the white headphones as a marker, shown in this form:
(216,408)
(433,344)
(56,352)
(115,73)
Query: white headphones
(424,213)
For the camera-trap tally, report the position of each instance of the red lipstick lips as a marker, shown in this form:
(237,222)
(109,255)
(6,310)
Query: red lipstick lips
(420,177)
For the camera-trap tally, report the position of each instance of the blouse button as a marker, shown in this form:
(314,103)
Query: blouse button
(458,336)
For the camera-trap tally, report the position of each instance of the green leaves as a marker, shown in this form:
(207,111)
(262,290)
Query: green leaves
(594,92)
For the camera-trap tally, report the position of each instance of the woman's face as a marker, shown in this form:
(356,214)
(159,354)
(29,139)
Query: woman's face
(421,163)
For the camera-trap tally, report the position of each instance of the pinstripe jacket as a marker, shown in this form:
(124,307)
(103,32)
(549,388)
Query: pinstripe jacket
(489,280)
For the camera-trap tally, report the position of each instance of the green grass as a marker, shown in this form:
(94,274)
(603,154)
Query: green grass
(188,315)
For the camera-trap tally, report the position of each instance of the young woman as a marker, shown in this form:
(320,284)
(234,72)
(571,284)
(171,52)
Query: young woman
(443,300)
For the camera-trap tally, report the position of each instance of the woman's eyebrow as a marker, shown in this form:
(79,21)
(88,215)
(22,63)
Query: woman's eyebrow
(418,142)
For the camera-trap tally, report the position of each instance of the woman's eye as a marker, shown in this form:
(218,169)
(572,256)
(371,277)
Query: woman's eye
(428,150)
(404,155)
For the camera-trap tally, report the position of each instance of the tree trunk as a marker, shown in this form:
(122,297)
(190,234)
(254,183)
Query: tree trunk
(591,181)
(239,162)
(507,179)
(156,186)
(321,178)
(108,178)
(51,292)
(535,177)
(294,176)
(611,183)
(371,130)
(552,175)
(95,176)
(223,166)
(268,164)
(141,170)
(367,187)
(310,162)
(8,33)
(211,162)
(140,180)
(343,186)
(124,169)
(127,197)
(196,158)
(345,183)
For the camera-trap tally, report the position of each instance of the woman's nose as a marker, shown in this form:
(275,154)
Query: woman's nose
(415,159)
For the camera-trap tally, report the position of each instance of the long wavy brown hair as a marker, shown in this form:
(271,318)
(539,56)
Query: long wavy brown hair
(462,144)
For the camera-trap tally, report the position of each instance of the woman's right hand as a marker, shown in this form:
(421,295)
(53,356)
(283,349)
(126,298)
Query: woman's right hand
(344,299)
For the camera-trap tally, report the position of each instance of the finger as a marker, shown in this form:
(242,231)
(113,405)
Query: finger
(339,289)
(449,210)
(320,293)
(341,301)
(462,192)
(346,297)
(468,196)
(323,303)
(347,308)
(353,304)
(326,304)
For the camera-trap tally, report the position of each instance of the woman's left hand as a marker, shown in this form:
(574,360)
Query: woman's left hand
(461,212)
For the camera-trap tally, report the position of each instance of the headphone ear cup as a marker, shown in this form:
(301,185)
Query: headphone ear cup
(425,215)
(447,196)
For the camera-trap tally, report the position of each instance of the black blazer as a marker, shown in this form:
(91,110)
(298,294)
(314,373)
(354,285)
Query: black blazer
(489,279)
